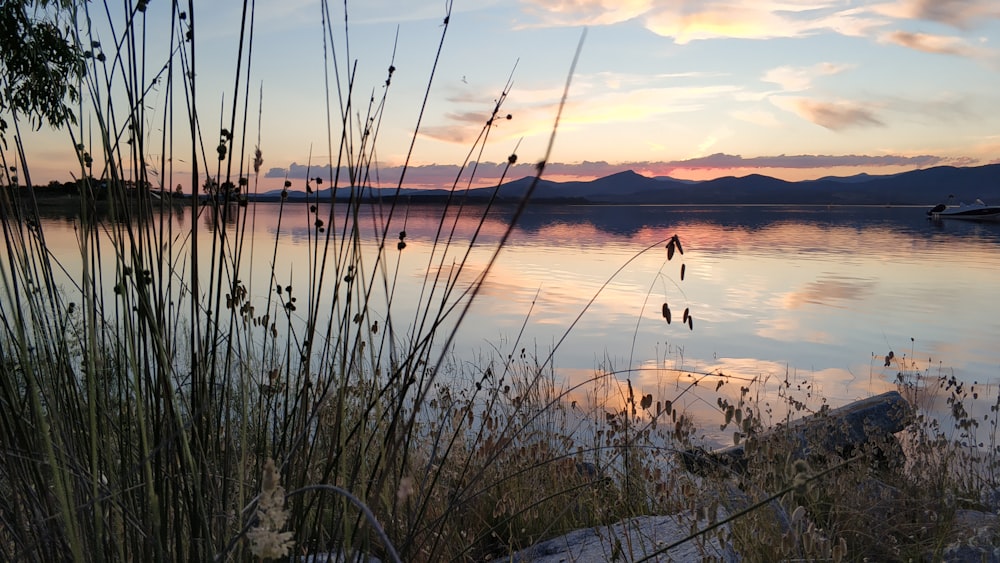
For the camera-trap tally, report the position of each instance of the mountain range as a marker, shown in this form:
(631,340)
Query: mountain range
(917,187)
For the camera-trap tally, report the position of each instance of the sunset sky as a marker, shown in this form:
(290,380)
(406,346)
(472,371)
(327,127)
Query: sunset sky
(694,89)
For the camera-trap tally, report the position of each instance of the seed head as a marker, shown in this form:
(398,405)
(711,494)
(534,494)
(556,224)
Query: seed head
(267,541)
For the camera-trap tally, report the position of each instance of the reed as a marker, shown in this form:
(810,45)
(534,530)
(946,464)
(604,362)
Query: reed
(166,404)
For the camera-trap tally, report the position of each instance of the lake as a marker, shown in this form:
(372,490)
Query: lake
(813,296)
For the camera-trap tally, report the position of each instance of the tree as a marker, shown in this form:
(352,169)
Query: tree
(40,63)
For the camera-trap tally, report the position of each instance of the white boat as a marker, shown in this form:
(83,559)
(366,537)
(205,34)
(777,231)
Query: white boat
(975,211)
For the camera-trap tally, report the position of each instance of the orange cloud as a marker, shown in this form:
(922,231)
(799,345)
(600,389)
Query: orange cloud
(734,20)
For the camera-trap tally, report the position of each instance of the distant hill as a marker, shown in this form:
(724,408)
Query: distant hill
(918,187)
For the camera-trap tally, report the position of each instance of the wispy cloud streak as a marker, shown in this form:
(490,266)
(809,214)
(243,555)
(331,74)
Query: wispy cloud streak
(938,44)
(836,116)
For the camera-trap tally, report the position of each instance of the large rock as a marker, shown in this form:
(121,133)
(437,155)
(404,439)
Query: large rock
(867,425)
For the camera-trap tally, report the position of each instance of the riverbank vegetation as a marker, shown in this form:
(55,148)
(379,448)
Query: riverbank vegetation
(158,403)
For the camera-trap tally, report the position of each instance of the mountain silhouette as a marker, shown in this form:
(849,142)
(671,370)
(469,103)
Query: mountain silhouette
(919,187)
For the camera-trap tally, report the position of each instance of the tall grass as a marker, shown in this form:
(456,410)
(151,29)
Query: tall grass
(161,402)
(179,396)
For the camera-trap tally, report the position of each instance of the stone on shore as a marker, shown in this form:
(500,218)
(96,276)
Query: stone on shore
(868,424)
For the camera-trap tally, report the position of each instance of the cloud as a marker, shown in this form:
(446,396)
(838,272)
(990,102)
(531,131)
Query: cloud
(757,117)
(830,292)
(797,79)
(397,11)
(721,160)
(946,107)
(957,13)
(297,171)
(709,142)
(621,80)
(835,116)
(791,330)
(937,44)
(418,176)
(641,99)
(855,22)
(586,12)
(458,134)
(691,20)
(685,21)
(460,127)
(489,173)
(642,103)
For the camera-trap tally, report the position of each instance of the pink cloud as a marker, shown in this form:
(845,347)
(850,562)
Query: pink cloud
(929,43)
(957,13)
(461,134)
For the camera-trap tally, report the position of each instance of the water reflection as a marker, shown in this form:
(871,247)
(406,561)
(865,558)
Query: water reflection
(829,291)
(819,295)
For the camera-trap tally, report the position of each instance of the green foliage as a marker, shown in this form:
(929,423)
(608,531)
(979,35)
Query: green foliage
(40,63)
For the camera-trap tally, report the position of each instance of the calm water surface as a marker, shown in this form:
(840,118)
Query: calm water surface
(814,296)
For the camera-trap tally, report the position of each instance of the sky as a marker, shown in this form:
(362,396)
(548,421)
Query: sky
(692,89)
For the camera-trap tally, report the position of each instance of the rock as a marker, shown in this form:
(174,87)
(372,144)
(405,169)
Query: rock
(974,538)
(969,554)
(991,499)
(631,540)
(869,423)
